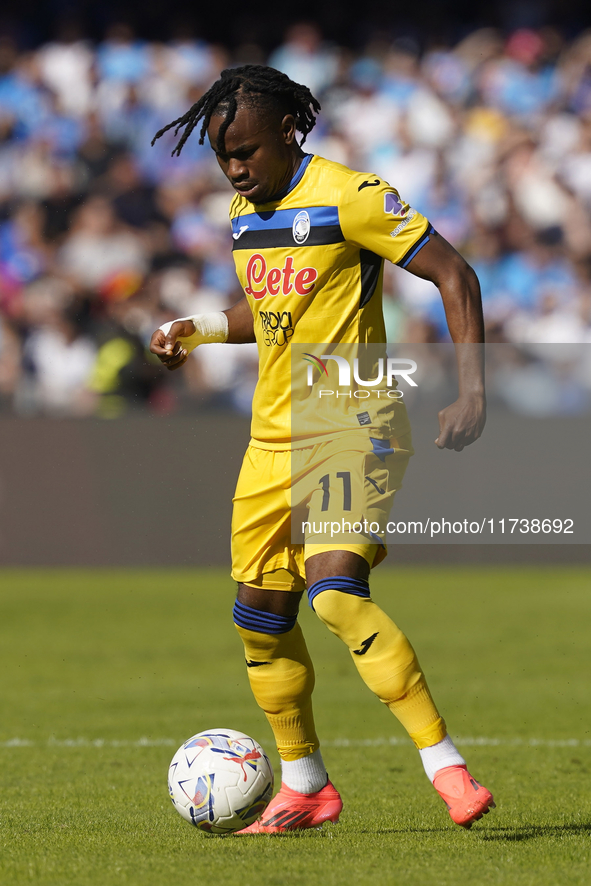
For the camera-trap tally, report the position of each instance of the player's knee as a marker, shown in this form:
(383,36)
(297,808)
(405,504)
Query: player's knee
(262,633)
(257,621)
(340,602)
(348,587)
(363,626)
(340,613)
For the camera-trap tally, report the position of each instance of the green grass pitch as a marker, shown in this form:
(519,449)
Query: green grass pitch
(105,673)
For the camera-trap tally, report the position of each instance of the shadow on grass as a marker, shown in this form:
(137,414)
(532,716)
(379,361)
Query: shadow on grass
(515,834)
(498,834)
(533,832)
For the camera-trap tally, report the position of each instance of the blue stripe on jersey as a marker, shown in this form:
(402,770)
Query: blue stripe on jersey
(320,216)
(416,247)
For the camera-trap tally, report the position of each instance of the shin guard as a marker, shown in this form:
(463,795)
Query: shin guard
(281,677)
(382,654)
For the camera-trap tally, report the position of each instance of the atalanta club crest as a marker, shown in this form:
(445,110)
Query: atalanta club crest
(301,227)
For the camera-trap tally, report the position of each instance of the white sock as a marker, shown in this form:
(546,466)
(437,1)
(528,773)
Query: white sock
(440,755)
(306,775)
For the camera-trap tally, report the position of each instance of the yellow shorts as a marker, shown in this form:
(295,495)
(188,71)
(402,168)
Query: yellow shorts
(336,495)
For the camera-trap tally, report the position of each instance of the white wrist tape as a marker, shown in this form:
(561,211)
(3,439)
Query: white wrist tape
(209,328)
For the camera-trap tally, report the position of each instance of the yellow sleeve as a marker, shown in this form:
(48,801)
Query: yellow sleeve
(374,216)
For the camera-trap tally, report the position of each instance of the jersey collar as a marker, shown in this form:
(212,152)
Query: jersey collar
(295,180)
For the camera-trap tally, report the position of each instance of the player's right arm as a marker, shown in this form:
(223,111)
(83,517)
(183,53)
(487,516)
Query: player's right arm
(173,342)
(373,216)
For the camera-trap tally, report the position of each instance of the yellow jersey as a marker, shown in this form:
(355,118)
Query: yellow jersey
(311,265)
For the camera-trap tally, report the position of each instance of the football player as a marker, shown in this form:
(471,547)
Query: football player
(310,238)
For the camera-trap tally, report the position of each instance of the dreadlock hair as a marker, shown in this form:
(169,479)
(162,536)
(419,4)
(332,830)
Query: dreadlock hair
(255,86)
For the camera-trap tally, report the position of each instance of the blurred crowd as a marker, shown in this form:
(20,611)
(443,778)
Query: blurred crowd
(104,237)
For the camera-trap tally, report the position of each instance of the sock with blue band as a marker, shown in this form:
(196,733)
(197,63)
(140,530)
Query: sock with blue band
(382,654)
(355,586)
(265,622)
(281,677)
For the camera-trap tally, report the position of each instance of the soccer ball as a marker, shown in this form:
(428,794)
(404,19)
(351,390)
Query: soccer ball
(220,781)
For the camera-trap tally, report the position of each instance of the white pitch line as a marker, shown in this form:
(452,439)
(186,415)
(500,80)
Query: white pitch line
(89,743)
(479,741)
(392,741)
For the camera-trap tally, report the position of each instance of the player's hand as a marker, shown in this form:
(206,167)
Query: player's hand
(461,423)
(166,347)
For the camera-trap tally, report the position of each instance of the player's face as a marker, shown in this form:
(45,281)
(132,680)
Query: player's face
(260,153)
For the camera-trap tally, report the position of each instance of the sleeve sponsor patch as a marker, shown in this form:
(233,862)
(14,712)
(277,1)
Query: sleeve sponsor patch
(393,204)
(403,223)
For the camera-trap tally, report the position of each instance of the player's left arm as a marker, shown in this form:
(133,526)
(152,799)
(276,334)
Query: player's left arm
(374,216)
(462,422)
